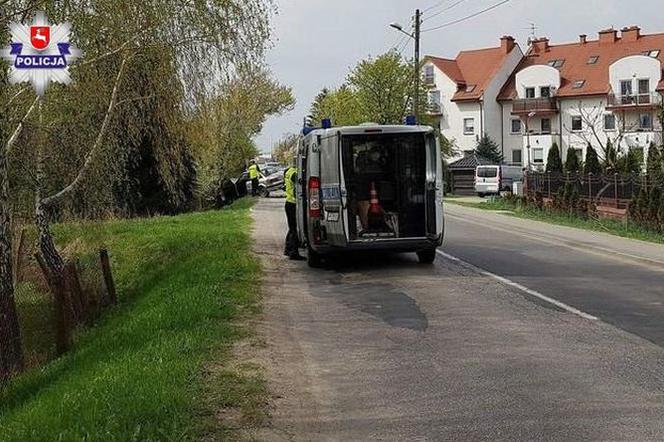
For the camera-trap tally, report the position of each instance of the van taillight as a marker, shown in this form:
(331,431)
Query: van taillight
(314,197)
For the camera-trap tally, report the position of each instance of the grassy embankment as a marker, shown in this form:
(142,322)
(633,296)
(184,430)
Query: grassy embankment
(614,227)
(158,367)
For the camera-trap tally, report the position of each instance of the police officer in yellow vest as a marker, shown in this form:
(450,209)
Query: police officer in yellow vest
(254,173)
(292,242)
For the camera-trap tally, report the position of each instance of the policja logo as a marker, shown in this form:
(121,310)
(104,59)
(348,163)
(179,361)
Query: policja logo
(40,53)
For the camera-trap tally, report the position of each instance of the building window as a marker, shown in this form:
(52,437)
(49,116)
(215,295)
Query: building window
(625,88)
(593,59)
(654,53)
(644,86)
(530,92)
(578,84)
(577,124)
(469,126)
(429,75)
(557,63)
(470,88)
(538,155)
(434,102)
(609,122)
(516,126)
(516,156)
(645,121)
(545,91)
(545,125)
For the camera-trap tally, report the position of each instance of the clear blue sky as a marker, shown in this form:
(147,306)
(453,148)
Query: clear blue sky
(318,41)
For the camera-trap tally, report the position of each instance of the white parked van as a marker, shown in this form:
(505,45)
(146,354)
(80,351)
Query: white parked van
(496,179)
(370,187)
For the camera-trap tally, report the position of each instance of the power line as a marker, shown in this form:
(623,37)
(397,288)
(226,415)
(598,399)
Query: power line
(468,17)
(404,46)
(458,2)
(434,6)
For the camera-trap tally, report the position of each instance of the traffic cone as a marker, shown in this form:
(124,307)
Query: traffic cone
(375,216)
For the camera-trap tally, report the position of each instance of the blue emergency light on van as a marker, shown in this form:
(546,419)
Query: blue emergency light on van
(411,120)
(326,123)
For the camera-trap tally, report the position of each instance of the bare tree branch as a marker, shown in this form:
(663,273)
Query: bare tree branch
(19,128)
(97,144)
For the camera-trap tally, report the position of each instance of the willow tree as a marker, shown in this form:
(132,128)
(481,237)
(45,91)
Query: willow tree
(225,126)
(80,144)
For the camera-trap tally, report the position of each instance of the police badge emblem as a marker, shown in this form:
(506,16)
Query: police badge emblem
(40,53)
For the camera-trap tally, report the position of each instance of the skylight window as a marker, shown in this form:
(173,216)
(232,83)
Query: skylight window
(654,53)
(557,63)
(470,88)
(593,59)
(578,84)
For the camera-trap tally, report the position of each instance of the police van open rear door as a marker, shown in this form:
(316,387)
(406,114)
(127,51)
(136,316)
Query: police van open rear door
(434,188)
(333,191)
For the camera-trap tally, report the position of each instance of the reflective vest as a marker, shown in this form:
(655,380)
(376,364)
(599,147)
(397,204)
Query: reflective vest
(253,171)
(290,186)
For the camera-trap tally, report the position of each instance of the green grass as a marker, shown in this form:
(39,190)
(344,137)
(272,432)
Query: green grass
(614,227)
(143,373)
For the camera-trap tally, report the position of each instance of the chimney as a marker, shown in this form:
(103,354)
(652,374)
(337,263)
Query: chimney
(608,36)
(540,45)
(631,34)
(583,38)
(506,44)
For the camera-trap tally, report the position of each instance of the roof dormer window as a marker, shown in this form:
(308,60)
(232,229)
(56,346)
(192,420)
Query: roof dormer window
(592,59)
(578,84)
(470,88)
(654,53)
(557,63)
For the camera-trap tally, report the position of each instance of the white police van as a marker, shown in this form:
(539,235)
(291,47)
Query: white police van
(370,187)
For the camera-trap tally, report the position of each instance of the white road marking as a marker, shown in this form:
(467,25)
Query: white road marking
(520,287)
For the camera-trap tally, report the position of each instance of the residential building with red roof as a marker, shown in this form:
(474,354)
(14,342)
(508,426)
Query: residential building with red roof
(571,94)
(464,90)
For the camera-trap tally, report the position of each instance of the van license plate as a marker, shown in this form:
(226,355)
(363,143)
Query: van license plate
(333,216)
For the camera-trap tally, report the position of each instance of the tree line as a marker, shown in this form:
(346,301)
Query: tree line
(377,89)
(163,108)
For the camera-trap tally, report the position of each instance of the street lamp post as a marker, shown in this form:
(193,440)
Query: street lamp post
(415,36)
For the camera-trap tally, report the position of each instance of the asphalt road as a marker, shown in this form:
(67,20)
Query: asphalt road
(382,348)
(621,283)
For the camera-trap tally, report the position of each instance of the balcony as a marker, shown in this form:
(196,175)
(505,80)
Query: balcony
(540,106)
(434,109)
(634,102)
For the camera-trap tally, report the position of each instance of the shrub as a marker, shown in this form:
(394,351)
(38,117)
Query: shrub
(642,203)
(660,212)
(554,163)
(572,163)
(633,208)
(653,206)
(591,164)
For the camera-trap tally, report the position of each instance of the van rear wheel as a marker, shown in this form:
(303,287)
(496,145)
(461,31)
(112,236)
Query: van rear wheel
(427,256)
(313,258)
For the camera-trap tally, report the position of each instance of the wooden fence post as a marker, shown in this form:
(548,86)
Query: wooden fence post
(73,286)
(615,188)
(108,276)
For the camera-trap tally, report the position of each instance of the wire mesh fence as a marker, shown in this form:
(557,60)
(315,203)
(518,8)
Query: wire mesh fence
(612,190)
(50,308)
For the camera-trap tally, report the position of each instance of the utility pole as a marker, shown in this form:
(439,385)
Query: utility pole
(416,35)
